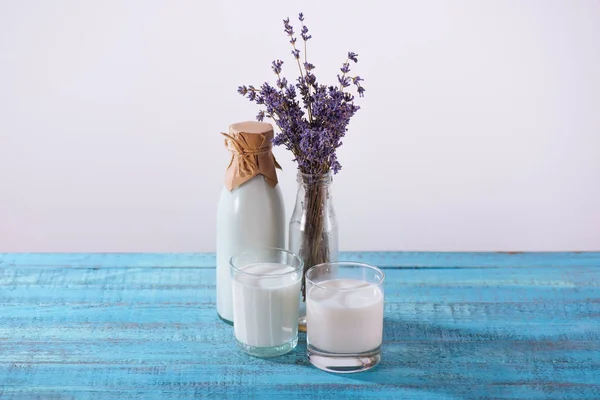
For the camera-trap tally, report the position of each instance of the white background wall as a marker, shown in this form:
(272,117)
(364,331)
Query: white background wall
(480,129)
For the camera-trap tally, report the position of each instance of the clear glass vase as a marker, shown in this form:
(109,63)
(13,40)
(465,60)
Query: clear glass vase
(313,230)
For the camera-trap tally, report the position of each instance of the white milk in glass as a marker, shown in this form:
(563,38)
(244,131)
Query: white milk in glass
(265,307)
(344,321)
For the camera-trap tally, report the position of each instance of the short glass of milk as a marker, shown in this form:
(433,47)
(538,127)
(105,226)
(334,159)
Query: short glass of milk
(266,298)
(344,316)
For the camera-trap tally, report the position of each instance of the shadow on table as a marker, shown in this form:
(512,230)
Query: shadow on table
(296,357)
(437,359)
(459,362)
(464,363)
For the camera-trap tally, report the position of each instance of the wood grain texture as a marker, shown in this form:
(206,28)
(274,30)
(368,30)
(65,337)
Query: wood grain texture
(144,326)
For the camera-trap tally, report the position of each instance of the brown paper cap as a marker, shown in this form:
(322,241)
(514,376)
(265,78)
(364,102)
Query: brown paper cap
(250,145)
(252,127)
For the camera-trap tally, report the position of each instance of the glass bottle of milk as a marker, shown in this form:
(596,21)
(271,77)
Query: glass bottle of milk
(250,213)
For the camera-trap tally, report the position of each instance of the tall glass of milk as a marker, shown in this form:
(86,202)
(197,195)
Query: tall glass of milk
(266,299)
(344,316)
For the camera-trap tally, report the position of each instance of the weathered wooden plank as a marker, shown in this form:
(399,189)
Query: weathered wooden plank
(73,327)
(381,259)
(559,277)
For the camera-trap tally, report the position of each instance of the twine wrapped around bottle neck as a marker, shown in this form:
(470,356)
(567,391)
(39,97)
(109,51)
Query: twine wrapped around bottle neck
(250,147)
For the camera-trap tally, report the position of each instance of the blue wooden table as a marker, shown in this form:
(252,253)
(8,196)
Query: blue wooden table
(144,326)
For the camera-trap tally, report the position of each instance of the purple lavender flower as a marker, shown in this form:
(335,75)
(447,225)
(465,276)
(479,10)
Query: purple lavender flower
(312,118)
(356,80)
(336,167)
(287,27)
(277,66)
(304,33)
(290,92)
(344,80)
(279,139)
(282,83)
(345,68)
(310,79)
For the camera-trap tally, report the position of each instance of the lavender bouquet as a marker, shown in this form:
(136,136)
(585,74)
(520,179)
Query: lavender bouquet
(312,118)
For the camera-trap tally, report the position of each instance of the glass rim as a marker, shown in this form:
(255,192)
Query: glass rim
(295,256)
(327,173)
(348,263)
(322,178)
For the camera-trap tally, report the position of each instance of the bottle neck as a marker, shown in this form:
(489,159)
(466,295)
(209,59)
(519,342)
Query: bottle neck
(312,180)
